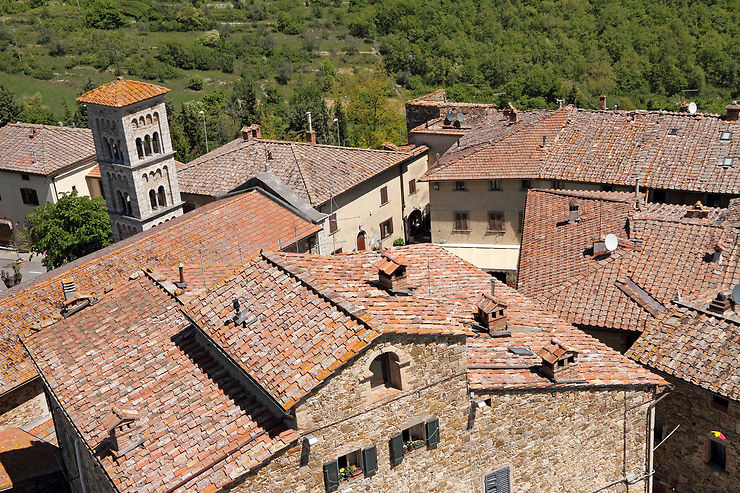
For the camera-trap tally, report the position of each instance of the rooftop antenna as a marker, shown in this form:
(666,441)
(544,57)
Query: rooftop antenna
(692,108)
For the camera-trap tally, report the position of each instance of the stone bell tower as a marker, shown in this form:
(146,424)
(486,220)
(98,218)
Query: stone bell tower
(134,152)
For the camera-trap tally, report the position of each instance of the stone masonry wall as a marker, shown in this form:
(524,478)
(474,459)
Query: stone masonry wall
(23,405)
(682,461)
(553,441)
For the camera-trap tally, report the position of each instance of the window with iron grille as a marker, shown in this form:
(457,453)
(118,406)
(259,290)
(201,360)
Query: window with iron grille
(412,187)
(496,222)
(29,196)
(386,228)
(383,195)
(460,186)
(461,221)
(333,223)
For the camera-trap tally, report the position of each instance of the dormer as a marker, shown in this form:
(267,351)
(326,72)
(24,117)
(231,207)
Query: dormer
(491,313)
(697,211)
(558,360)
(392,273)
(123,430)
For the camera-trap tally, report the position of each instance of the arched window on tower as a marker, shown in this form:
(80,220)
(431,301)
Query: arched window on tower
(106,148)
(141,121)
(121,202)
(156,117)
(148,119)
(139,148)
(386,372)
(147,145)
(155,143)
(153,199)
(161,197)
(134,124)
(127,198)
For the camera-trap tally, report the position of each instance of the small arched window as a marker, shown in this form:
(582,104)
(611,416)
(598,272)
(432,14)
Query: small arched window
(153,199)
(148,119)
(134,124)
(155,143)
(141,121)
(156,117)
(121,202)
(145,177)
(139,149)
(147,145)
(161,197)
(127,198)
(107,148)
(386,372)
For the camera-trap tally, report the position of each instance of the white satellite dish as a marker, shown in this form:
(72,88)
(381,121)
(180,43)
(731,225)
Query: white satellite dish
(692,108)
(736,294)
(611,242)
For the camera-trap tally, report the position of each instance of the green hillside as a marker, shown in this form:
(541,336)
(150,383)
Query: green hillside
(272,60)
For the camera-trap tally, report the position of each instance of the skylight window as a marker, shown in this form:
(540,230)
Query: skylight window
(728,161)
(673,132)
(725,136)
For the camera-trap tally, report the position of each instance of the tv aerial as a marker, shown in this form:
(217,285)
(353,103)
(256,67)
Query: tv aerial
(611,242)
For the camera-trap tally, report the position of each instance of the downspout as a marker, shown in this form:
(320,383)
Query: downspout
(403,203)
(54,184)
(79,465)
(649,438)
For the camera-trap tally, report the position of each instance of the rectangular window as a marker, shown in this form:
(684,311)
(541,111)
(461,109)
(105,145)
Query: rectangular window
(494,185)
(383,195)
(498,481)
(460,186)
(496,222)
(412,187)
(333,223)
(725,136)
(386,228)
(413,438)
(350,466)
(25,177)
(526,184)
(29,196)
(657,433)
(727,162)
(720,403)
(461,221)
(717,454)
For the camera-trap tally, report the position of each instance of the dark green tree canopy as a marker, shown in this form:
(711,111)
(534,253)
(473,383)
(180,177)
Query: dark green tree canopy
(69,229)
(10,108)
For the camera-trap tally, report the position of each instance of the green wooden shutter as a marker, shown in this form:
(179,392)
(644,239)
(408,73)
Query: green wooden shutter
(502,480)
(331,476)
(432,432)
(370,461)
(490,483)
(395,445)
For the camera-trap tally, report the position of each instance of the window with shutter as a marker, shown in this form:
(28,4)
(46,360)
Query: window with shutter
(498,481)
(461,221)
(370,461)
(395,447)
(432,432)
(386,228)
(412,187)
(333,223)
(331,476)
(383,195)
(495,222)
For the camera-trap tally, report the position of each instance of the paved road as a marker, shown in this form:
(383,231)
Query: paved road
(31,269)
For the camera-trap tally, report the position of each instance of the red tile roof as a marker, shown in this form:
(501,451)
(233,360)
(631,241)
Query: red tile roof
(315,172)
(660,253)
(222,235)
(611,147)
(122,92)
(693,345)
(43,149)
(132,349)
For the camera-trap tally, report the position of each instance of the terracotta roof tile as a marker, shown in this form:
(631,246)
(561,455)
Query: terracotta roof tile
(43,149)
(223,235)
(122,92)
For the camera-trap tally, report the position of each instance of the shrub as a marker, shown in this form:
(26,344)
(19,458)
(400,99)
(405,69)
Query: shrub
(195,83)
(398,242)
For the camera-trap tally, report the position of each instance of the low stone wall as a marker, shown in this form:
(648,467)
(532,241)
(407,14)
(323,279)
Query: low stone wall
(682,461)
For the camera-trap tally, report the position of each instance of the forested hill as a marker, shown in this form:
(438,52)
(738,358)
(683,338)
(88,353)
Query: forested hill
(269,61)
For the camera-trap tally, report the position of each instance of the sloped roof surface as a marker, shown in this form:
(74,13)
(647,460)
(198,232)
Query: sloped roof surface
(43,149)
(661,252)
(132,350)
(690,344)
(611,147)
(221,235)
(122,92)
(315,172)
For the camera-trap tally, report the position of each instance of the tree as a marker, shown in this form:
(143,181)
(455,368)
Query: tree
(10,108)
(243,102)
(104,14)
(341,117)
(304,99)
(34,111)
(69,229)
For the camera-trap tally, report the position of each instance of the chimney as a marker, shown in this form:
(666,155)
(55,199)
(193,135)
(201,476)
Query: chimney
(123,431)
(35,131)
(253,131)
(60,124)
(558,360)
(491,312)
(242,317)
(721,303)
(181,283)
(574,215)
(310,134)
(69,288)
(602,102)
(392,273)
(683,107)
(733,111)
(511,113)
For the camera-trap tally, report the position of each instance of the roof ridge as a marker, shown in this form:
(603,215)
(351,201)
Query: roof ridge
(330,146)
(214,153)
(572,193)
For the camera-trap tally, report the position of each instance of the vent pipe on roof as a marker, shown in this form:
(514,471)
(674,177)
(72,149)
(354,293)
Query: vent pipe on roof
(181,283)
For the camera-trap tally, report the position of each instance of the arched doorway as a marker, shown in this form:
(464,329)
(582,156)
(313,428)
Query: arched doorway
(360,241)
(415,222)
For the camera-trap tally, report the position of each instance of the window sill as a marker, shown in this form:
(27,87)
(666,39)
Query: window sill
(461,231)
(385,203)
(379,394)
(495,232)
